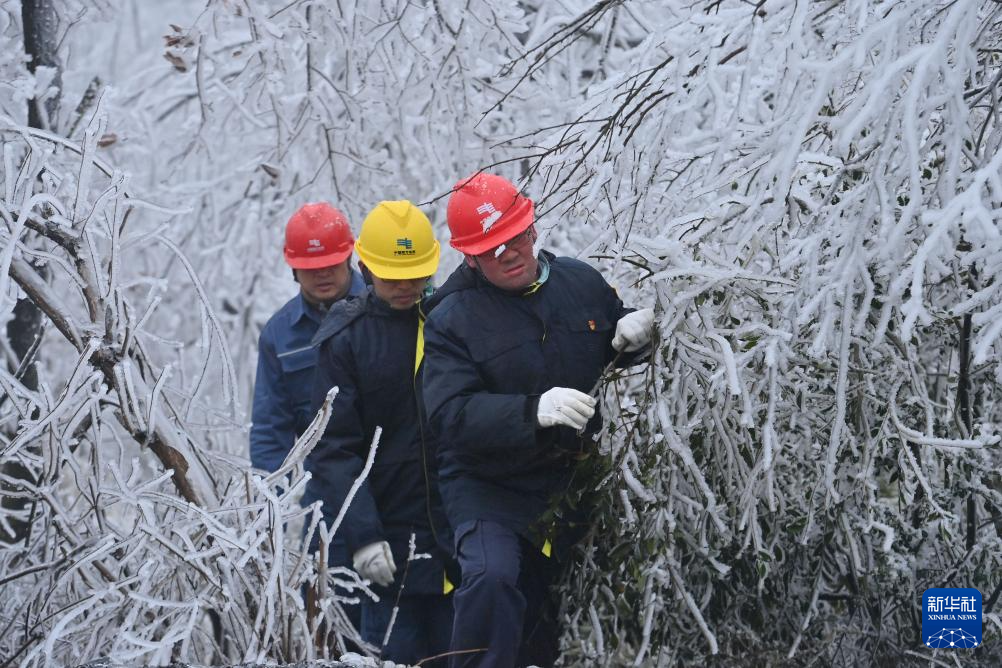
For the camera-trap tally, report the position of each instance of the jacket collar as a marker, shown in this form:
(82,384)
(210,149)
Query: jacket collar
(377,306)
(465,278)
(303,309)
(545,259)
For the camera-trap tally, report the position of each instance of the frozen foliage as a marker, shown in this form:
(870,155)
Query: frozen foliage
(111,557)
(134,527)
(349,660)
(812,195)
(808,192)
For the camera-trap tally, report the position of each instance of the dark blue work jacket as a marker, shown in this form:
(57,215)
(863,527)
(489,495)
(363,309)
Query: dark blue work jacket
(489,355)
(283,387)
(367,350)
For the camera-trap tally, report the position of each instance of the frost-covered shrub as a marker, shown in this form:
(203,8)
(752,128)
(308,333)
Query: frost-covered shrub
(811,194)
(808,193)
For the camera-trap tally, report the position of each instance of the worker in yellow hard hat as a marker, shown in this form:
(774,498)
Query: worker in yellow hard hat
(371,348)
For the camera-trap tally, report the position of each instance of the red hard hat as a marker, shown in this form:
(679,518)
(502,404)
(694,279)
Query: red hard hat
(317,236)
(485,211)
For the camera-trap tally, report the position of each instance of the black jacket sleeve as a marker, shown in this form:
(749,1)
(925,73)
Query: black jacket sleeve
(339,457)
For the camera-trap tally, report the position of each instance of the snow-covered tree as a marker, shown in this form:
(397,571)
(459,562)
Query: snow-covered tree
(811,194)
(148,537)
(808,193)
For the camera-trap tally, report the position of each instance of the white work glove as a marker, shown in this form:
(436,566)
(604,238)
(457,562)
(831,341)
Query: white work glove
(566,406)
(633,331)
(375,562)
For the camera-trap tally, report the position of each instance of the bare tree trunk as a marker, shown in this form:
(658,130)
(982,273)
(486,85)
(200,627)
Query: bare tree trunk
(966,404)
(39,19)
(967,417)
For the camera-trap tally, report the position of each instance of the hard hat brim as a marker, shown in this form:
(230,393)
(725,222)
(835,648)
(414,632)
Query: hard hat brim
(320,261)
(409,270)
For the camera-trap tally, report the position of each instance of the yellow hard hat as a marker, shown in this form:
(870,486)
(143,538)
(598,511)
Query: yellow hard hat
(397,242)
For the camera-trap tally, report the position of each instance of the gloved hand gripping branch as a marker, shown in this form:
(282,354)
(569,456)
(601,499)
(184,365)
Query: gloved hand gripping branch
(633,331)
(375,562)
(565,406)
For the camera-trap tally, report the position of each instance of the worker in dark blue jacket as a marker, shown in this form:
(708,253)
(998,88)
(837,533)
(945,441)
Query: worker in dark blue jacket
(515,342)
(371,349)
(318,245)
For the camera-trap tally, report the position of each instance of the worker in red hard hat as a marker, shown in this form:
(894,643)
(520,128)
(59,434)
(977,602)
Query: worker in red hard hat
(515,342)
(318,247)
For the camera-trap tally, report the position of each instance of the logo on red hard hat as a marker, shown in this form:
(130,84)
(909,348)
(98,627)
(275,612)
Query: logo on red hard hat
(315,246)
(493,215)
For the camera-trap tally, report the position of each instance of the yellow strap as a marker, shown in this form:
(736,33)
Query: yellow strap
(532,288)
(547,549)
(419,349)
(447,586)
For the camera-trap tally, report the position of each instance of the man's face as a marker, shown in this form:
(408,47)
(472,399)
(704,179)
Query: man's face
(400,294)
(325,285)
(512,265)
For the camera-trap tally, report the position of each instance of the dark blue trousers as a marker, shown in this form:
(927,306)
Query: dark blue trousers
(504,611)
(421,629)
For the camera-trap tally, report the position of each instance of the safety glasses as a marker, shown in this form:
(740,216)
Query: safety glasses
(520,242)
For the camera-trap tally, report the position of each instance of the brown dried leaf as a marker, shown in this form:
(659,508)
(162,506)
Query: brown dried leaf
(179,37)
(179,63)
(107,139)
(270,170)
